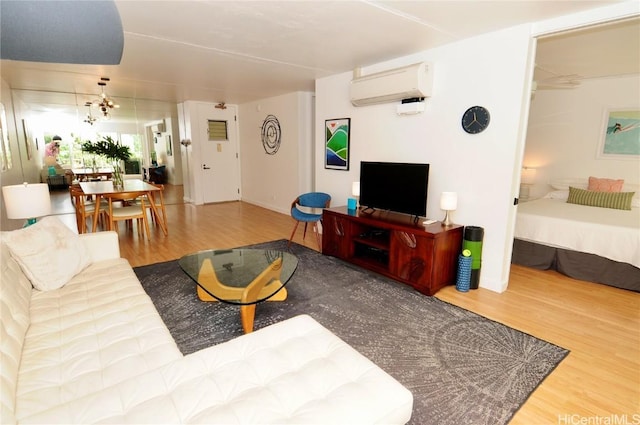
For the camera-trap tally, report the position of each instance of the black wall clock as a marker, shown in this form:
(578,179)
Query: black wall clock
(475,119)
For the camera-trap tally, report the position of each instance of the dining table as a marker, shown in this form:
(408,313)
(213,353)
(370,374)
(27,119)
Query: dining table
(98,189)
(86,174)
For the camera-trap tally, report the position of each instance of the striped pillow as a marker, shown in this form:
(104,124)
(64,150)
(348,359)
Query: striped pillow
(615,200)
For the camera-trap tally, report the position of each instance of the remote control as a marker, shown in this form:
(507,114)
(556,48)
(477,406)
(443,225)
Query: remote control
(429,221)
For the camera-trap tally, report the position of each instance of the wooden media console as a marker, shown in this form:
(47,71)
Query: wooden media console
(392,244)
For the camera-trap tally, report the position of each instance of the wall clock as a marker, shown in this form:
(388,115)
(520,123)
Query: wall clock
(475,119)
(271,135)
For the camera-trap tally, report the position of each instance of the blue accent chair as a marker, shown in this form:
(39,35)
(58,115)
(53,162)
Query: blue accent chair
(307,214)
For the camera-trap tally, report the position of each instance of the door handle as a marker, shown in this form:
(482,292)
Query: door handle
(204,167)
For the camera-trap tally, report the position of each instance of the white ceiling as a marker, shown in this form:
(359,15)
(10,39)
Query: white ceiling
(241,51)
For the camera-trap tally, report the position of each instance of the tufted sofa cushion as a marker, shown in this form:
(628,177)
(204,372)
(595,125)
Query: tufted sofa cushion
(96,351)
(99,329)
(295,371)
(15,296)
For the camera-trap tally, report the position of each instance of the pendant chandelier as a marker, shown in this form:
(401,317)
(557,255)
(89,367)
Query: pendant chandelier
(105,103)
(90,118)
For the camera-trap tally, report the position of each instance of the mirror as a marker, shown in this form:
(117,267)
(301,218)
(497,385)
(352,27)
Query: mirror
(5,150)
(67,115)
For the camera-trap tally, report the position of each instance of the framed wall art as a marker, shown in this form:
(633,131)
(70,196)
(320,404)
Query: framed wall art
(337,140)
(169,146)
(620,138)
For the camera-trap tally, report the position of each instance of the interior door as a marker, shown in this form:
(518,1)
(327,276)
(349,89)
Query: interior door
(219,161)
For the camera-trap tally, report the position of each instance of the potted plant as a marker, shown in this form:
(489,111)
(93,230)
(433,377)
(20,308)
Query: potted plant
(113,151)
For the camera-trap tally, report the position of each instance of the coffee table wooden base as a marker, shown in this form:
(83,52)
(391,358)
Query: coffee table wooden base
(259,288)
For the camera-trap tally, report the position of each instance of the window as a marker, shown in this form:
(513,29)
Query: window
(134,143)
(217,130)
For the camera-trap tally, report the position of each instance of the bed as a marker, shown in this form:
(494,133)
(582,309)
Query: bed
(584,242)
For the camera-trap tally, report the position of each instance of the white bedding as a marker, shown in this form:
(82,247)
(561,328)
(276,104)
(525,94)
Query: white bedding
(609,233)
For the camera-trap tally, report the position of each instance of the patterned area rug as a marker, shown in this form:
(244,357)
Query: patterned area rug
(461,367)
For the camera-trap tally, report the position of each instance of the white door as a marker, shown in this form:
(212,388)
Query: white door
(220,169)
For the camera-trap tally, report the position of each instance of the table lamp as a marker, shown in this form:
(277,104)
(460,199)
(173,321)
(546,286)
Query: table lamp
(448,203)
(27,201)
(527,179)
(355,191)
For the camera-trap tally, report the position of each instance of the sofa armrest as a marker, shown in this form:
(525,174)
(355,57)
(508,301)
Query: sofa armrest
(102,245)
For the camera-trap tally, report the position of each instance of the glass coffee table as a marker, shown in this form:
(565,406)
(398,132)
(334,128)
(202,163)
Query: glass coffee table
(244,277)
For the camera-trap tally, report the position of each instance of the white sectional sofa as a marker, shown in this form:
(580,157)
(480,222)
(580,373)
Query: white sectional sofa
(96,350)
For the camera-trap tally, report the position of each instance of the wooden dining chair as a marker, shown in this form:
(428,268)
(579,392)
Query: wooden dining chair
(157,197)
(129,210)
(85,209)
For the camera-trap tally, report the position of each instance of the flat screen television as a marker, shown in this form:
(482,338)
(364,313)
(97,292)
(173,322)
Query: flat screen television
(394,186)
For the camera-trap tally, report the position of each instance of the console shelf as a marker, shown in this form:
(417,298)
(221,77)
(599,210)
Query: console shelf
(392,244)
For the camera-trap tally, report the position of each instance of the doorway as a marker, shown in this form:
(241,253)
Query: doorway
(219,163)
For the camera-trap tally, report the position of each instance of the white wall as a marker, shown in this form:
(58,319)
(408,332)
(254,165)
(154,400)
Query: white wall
(566,129)
(486,70)
(274,181)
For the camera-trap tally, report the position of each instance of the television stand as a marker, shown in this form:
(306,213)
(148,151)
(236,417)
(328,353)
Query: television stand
(394,245)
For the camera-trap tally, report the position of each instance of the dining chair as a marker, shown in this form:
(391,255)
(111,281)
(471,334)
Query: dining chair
(84,208)
(157,197)
(303,210)
(128,211)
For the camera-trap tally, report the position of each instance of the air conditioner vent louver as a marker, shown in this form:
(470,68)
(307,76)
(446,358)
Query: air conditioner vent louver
(395,84)
(158,128)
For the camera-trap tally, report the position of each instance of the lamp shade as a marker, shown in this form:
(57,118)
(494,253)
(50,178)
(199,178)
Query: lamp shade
(449,201)
(528,175)
(355,189)
(25,201)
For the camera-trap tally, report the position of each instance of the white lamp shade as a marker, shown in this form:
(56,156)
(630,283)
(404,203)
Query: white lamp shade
(25,201)
(449,201)
(355,189)
(528,176)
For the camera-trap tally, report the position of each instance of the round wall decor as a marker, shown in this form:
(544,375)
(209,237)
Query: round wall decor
(271,135)
(475,119)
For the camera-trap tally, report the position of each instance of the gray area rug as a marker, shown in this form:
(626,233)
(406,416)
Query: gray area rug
(462,368)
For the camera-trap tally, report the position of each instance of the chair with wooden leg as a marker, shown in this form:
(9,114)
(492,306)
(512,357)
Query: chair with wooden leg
(84,209)
(307,214)
(134,211)
(157,197)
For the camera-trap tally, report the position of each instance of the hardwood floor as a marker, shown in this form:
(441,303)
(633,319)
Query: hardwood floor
(599,379)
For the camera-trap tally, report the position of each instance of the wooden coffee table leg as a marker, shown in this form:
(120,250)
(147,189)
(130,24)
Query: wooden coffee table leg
(247,316)
(270,276)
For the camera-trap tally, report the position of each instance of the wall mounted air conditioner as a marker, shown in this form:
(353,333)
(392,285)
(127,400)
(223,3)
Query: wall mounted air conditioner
(158,128)
(395,84)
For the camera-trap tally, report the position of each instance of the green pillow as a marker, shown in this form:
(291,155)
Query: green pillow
(615,200)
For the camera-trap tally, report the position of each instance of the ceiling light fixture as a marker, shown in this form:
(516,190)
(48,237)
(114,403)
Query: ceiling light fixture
(557,81)
(90,118)
(105,103)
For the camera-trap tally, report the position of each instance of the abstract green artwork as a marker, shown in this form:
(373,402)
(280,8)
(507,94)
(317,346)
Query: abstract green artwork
(337,143)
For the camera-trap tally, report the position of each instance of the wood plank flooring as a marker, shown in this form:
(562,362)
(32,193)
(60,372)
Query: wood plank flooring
(599,379)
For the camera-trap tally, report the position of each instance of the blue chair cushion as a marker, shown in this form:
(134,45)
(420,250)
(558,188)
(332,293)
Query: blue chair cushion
(303,216)
(310,200)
